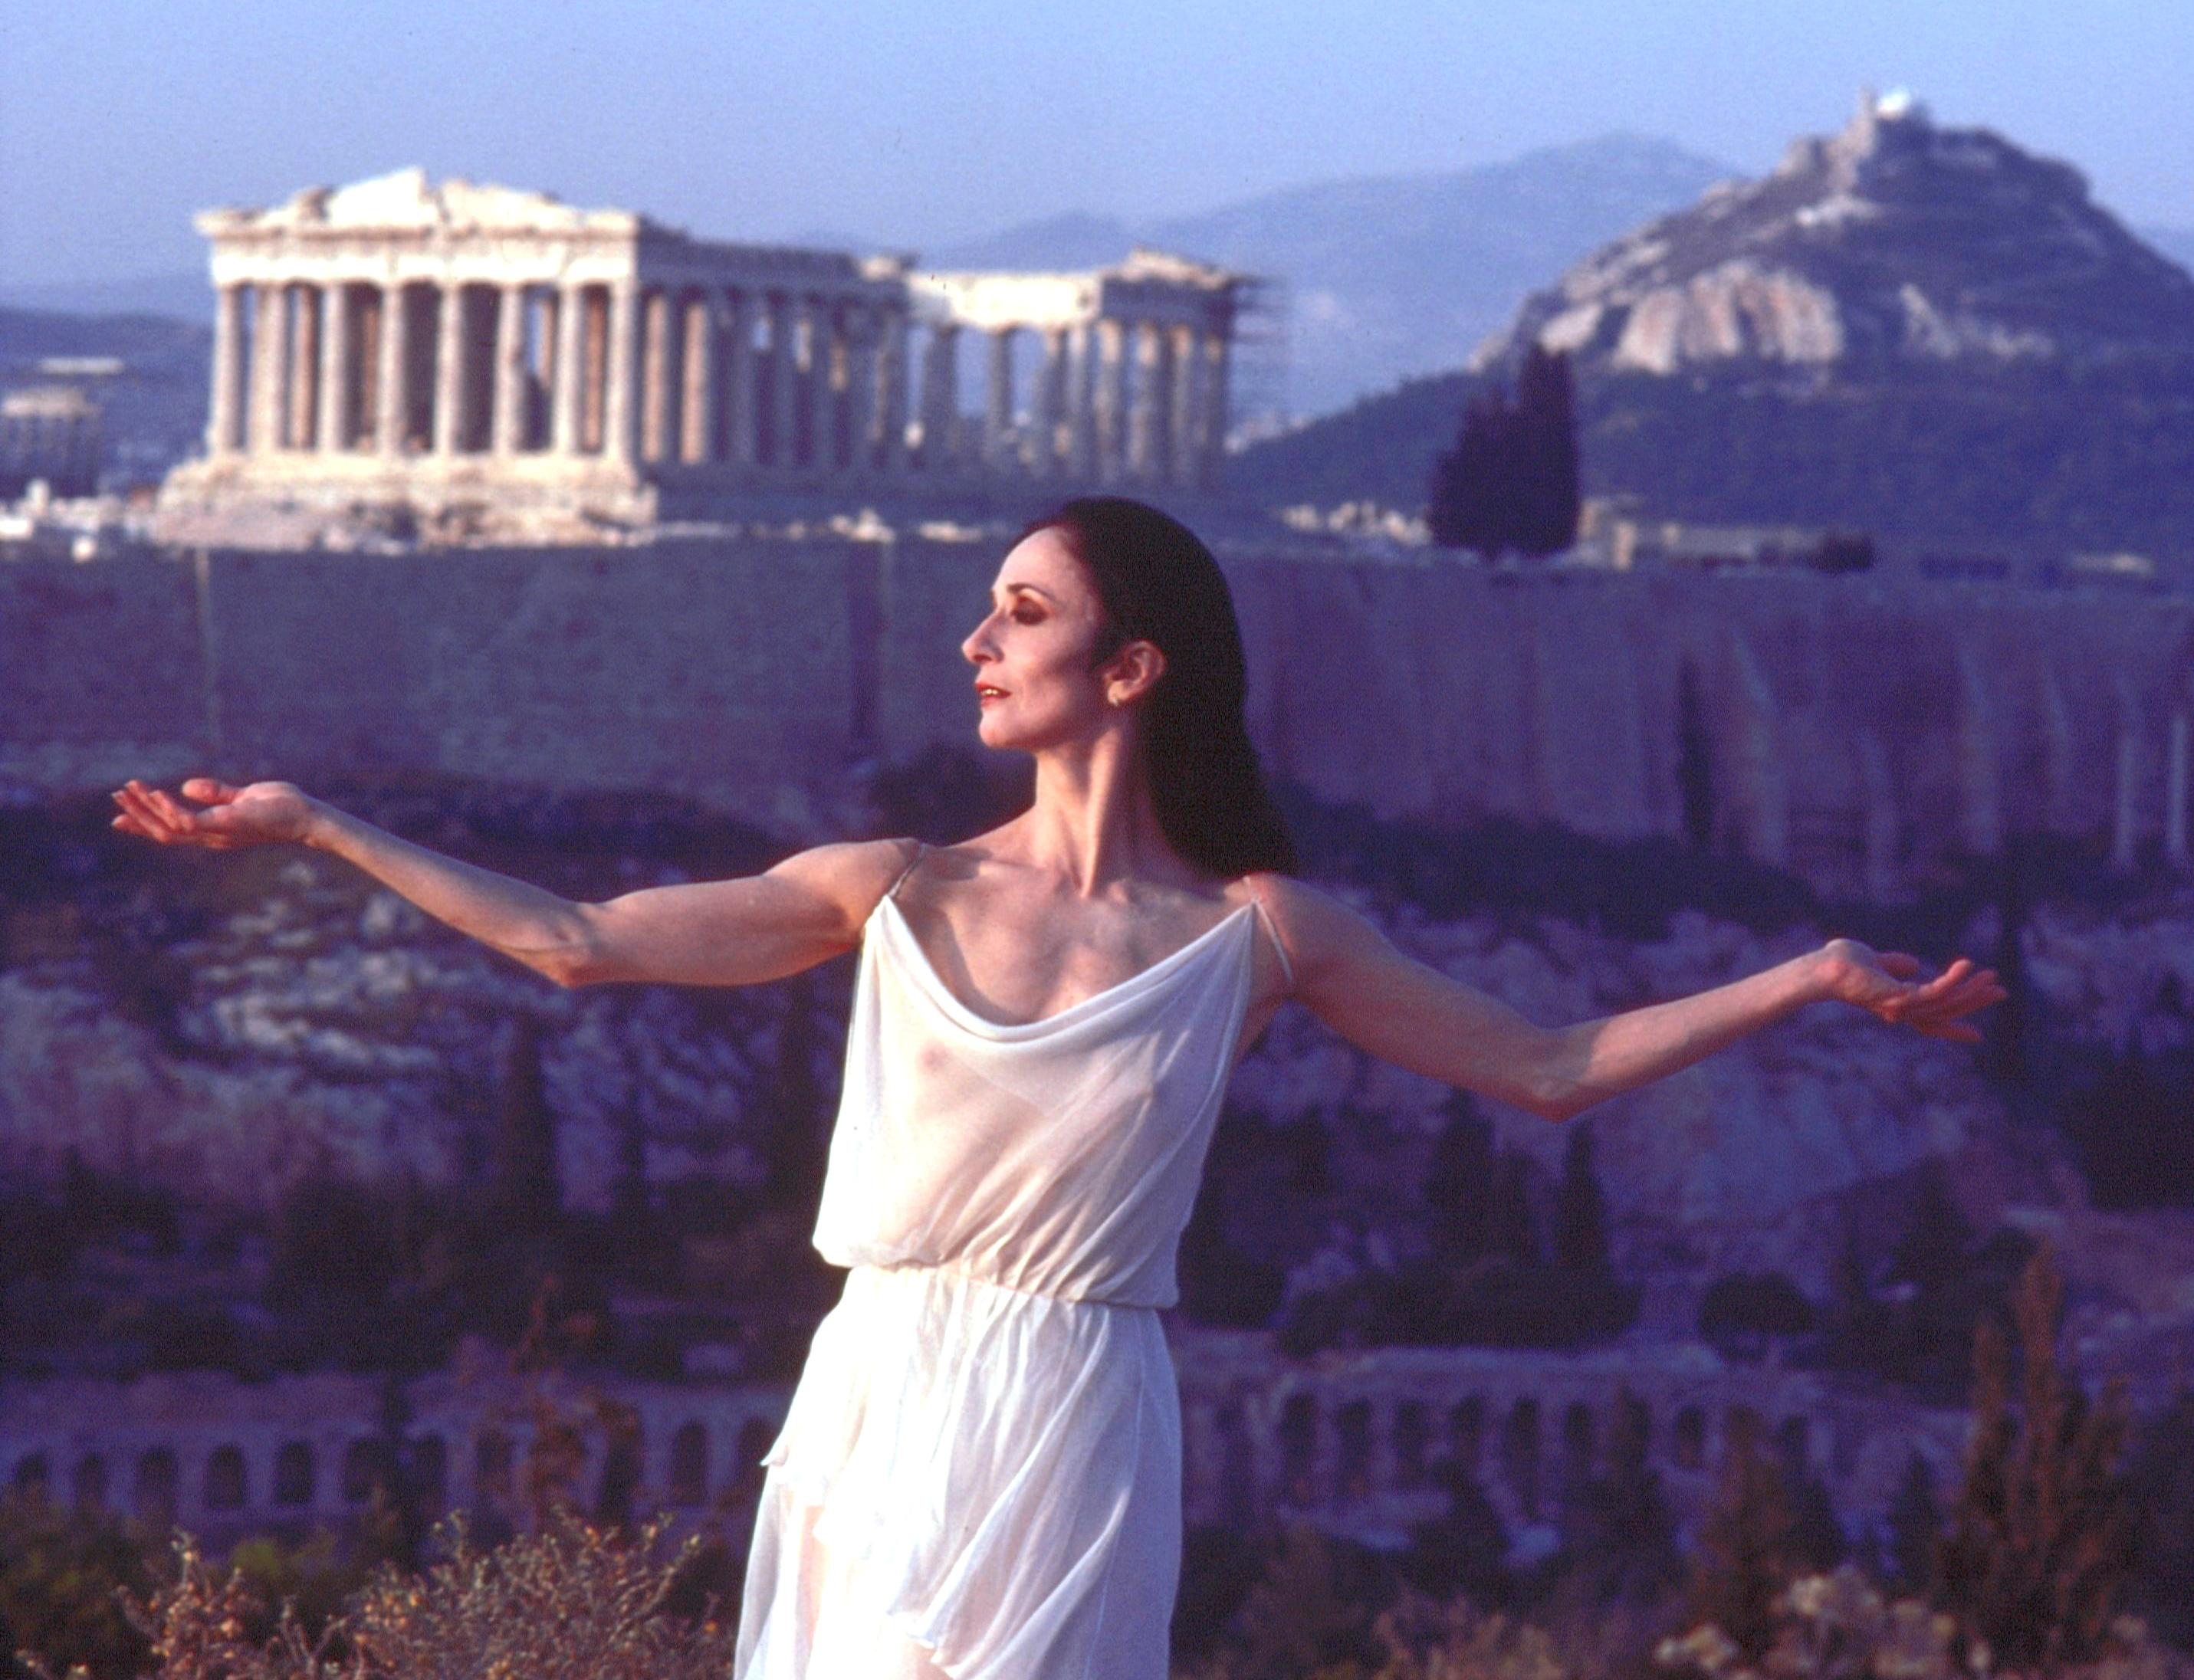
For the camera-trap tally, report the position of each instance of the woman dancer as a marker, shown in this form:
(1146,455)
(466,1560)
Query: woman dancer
(979,1474)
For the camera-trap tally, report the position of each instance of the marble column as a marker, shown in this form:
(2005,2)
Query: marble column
(824,347)
(998,407)
(303,404)
(568,401)
(1081,404)
(509,433)
(698,427)
(658,439)
(1218,347)
(940,399)
(338,381)
(391,392)
(270,371)
(621,405)
(450,370)
(1151,437)
(739,417)
(1048,456)
(224,429)
(1113,396)
(892,391)
(1186,448)
(784,370)
(861,362)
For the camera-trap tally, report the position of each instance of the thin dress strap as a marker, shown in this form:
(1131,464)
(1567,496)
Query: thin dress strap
(921,851)
(1272,932)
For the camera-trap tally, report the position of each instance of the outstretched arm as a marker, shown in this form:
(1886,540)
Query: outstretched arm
(1351,976)
(804,910)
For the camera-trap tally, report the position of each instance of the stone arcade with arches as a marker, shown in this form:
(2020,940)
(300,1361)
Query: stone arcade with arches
(1351,1442)
(477,362)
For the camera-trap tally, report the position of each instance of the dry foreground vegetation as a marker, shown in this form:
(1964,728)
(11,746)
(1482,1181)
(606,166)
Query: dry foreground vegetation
(2024,1574)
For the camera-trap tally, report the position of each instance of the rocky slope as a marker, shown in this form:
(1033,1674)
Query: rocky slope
(1923,332)
(225,1028)
(1893,242)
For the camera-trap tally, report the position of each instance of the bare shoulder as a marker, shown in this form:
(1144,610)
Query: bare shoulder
(1317,929)
(851,875)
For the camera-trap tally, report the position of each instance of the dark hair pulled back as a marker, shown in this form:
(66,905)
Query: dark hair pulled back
(1158,584)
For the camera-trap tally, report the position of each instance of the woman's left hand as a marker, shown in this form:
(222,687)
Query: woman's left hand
(1886,984)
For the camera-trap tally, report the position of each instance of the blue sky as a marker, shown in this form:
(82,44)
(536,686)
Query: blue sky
(912,124)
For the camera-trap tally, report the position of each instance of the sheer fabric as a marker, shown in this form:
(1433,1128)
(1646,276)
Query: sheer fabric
(980,1475)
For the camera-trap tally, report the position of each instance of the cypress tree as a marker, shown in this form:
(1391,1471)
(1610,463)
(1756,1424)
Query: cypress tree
(1509,482)
(1472,480)
(1545,500)
(1746,1550)
(2041,1542)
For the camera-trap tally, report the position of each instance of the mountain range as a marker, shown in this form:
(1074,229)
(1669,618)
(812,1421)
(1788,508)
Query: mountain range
(1384,277)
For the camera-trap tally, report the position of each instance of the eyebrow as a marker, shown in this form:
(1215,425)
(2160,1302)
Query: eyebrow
(1030,588)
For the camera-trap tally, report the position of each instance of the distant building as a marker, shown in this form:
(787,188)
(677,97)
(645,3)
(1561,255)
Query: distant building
(471,362)
(48,433)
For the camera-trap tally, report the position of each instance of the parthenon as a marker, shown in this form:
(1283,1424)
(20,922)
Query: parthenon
(498,364)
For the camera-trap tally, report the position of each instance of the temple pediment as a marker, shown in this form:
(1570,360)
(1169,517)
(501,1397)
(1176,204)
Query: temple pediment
(407,199)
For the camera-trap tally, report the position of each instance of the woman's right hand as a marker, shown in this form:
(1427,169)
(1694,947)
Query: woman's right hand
(229,819)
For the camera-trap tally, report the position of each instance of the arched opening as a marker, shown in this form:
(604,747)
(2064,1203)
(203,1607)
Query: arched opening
(1519,1456)
(1580,1443)
(152,1497)
(1466,1434)
(1352,1432)
(33,1476)
(620,1479)
(756,1436)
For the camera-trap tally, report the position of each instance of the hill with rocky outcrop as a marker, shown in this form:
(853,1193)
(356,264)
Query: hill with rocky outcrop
(1922,330)
(229,1031)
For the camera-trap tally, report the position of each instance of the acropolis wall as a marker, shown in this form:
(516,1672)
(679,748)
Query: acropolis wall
(1863,734)
(455,362)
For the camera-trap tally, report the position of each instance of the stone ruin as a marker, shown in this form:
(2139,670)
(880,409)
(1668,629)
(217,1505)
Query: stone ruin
(1354,1443)
(473,363)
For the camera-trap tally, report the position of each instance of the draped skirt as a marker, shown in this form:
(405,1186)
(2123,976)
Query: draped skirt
(972,1482)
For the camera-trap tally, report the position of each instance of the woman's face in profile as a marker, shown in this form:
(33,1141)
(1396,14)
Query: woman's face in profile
(1031,652)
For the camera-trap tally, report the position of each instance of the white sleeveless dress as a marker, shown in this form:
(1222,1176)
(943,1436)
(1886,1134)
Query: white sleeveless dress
(979,1474)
